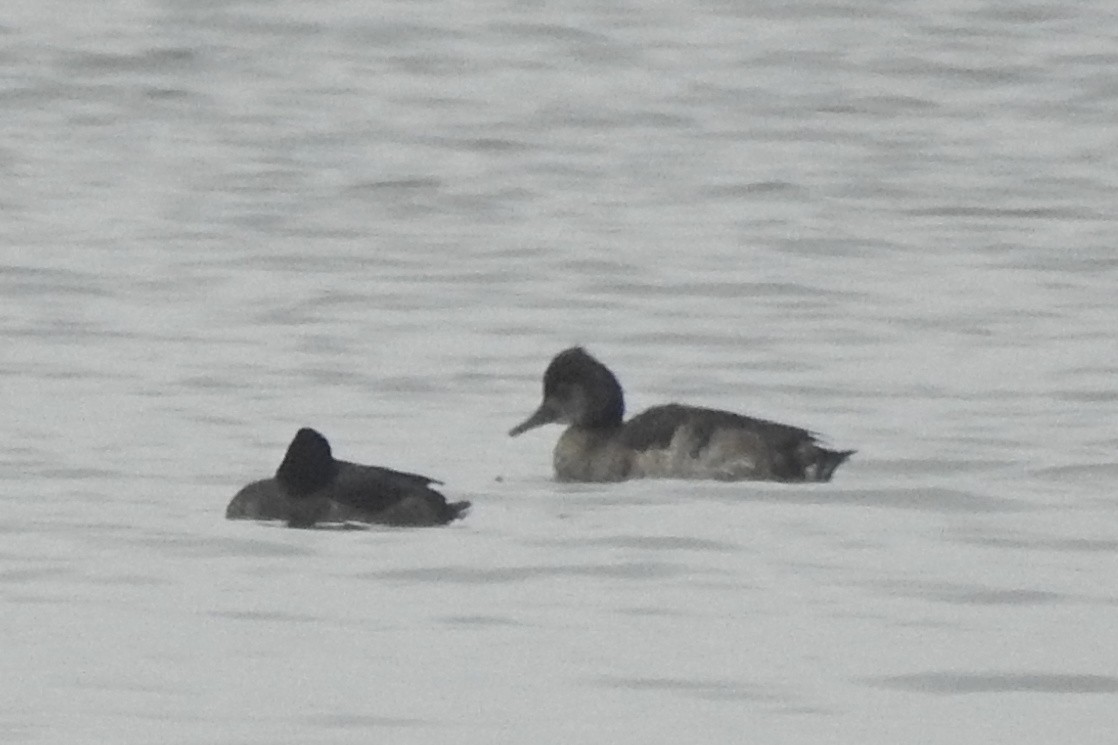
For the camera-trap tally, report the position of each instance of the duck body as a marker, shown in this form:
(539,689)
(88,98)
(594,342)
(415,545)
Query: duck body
(311,487)
(669,441)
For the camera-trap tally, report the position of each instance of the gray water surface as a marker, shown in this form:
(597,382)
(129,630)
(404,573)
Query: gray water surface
(892,223)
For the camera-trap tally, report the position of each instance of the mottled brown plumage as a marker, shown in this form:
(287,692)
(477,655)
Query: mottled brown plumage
(670,441)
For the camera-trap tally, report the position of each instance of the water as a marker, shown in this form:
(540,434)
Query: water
(890,222)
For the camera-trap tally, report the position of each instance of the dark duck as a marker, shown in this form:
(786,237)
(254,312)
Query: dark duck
(312,487)
(670,441)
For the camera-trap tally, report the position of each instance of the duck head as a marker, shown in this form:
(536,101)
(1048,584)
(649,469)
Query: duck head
(308,465)
(577,390)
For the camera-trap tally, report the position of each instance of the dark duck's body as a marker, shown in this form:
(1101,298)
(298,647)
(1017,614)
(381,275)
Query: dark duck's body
(671,441)
(311,487)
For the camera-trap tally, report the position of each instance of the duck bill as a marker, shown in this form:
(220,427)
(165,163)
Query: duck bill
(546,414)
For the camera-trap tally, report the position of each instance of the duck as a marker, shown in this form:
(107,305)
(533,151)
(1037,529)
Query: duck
(668,441)
(312,487)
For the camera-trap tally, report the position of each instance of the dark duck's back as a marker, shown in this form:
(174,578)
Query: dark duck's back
(671,441)
(310,487)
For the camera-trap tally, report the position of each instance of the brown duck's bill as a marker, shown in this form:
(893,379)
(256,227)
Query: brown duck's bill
(544,415)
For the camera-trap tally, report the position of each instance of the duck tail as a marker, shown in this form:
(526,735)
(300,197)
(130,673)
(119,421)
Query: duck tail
(455,511)
(828,460)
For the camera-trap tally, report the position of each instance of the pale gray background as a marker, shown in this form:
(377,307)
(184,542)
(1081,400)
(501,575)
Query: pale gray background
(893,222)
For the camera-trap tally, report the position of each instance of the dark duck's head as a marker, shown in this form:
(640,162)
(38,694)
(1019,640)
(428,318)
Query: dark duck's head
(308,465)
(577,390)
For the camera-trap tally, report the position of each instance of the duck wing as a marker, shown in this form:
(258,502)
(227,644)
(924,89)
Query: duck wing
(374,488)
(383,495)
(791,453)
(655,427)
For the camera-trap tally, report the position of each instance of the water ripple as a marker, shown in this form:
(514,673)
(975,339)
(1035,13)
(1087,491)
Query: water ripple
(970,594)
(642,570)
(957,683)
(711,690)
